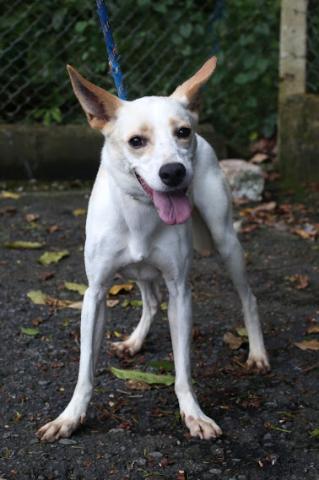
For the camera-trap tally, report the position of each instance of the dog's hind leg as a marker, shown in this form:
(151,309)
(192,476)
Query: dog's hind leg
(213,199)
(151,299)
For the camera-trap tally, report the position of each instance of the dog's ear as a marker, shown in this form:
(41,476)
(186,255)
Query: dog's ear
(189,92)
(99,105)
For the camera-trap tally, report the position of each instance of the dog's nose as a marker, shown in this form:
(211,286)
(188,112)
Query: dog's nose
(172,174)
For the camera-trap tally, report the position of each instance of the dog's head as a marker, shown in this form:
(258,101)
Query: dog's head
(152,138)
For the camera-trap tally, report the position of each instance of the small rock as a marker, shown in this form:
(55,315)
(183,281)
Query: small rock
(245,180)
(155,455)
(241,477)
(215,471)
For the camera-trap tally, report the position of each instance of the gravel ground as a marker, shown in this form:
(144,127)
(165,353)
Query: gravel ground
(137,434)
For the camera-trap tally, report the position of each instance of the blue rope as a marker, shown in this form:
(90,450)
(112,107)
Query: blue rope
(111,49)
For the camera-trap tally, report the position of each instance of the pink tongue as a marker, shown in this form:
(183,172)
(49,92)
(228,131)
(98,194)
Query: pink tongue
(172,207)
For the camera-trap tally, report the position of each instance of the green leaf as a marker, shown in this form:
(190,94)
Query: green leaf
(22,245)
(149,378)
(53,257)
(37,297)
(76,287)
(314,433)
(131,303)
(32,332)
(186,30)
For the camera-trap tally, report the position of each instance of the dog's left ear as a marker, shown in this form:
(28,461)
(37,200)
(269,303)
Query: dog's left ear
(189,92)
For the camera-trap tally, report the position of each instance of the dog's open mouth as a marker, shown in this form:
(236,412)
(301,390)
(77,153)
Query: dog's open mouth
(172,207)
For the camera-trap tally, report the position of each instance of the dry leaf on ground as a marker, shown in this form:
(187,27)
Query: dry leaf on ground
(308,345)
(32,217)
(123,287)
(53,257)
(76,287)
(78,212)
(22,245)
(313,329)
(138,375)
(11,195)
(301,281)
(232,341)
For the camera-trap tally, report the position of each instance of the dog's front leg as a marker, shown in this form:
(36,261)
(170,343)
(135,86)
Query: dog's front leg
(180,320)
(92,326)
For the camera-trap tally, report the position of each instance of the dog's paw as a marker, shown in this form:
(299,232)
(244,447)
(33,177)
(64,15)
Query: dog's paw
(130,347)
(258,363)
(203,427)
(58,428)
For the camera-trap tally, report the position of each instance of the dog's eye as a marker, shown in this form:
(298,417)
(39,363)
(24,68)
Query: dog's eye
(137,141)
(183,132)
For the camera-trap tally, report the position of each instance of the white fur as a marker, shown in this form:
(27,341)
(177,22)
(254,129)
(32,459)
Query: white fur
(126,235)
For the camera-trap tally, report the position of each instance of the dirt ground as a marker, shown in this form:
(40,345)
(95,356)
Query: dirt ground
(269,421)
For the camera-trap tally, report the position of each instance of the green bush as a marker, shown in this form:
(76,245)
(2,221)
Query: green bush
(161,43)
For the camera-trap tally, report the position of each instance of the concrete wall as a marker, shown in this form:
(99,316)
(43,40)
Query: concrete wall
(60,152)
(299,138)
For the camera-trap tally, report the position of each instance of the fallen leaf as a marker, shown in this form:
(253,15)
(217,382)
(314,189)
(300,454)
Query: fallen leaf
(308,345)
(149,378)
(11,195)
(22,245)
(44,276)
(301,281)
(181,475)
(37,297)
(232,341)
(314,433)
(32,332)
(137,385)
(259,158)
(313,329)
(76,287)
(164,306)
(307,231)
(53,257)
(112,303)
(53,228)
(32,217)
(124,287)
(132,303)
(78,212)
(241,331)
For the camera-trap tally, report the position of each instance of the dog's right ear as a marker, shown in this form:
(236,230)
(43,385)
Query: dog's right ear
(99,106)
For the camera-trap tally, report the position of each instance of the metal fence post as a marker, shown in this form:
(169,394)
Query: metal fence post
(293,48)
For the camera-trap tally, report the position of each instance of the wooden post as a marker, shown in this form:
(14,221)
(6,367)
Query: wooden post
(293,48)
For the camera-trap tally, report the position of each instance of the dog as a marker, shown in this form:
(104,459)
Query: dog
(154,169)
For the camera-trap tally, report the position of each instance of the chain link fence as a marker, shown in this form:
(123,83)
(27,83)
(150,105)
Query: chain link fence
(160,43)
(313,47)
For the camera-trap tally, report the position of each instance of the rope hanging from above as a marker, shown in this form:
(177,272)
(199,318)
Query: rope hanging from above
(111,49)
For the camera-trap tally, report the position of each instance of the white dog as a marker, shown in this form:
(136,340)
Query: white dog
(154,167)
